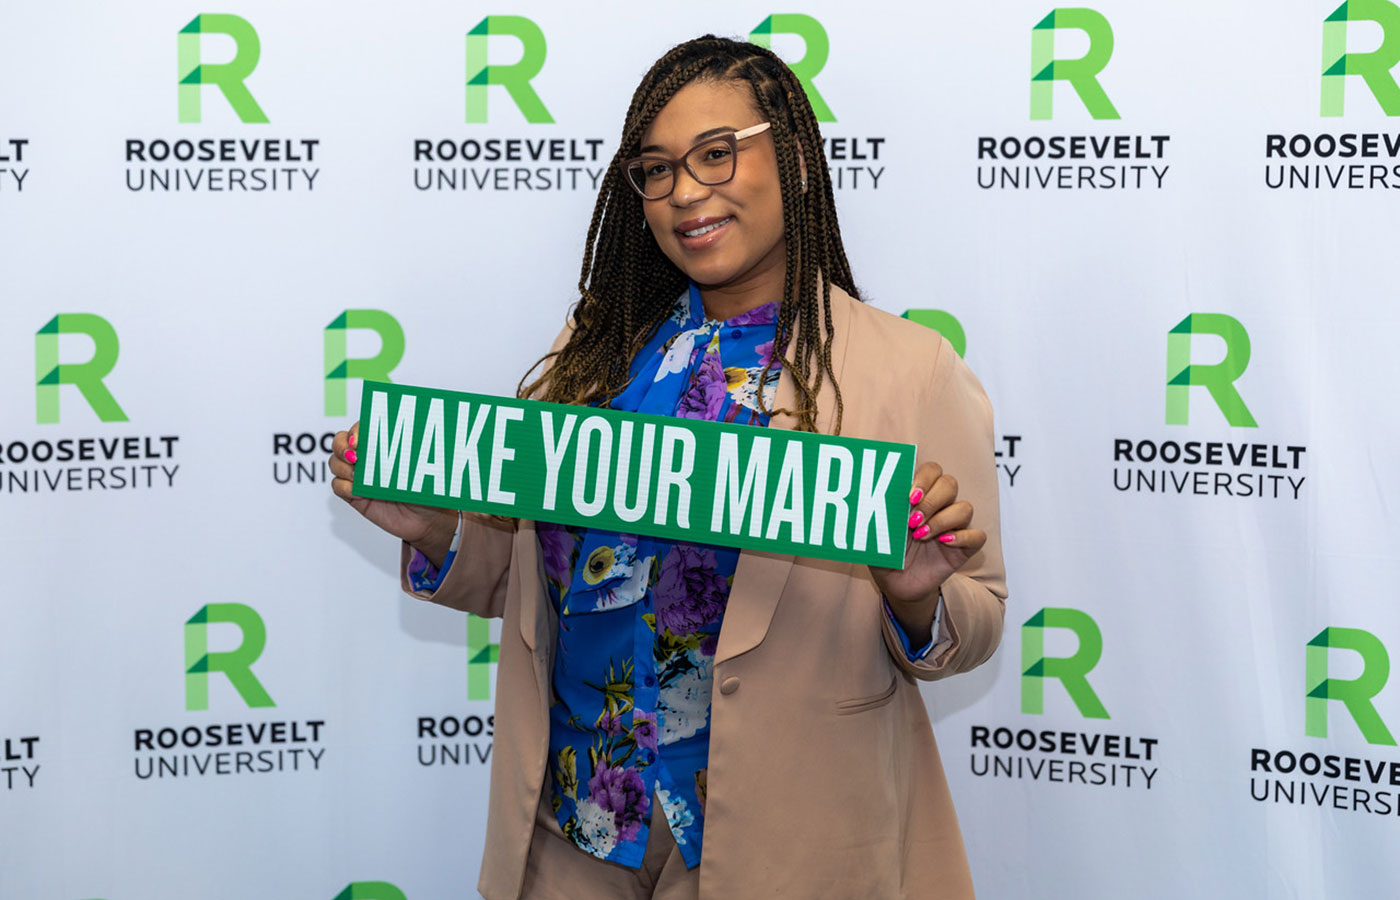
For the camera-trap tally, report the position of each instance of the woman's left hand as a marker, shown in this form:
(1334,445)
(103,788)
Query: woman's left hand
(940,542)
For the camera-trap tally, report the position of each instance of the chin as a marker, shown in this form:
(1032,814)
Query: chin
(711,273)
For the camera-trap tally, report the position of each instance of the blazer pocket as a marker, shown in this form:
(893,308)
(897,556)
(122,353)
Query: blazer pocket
(862,704)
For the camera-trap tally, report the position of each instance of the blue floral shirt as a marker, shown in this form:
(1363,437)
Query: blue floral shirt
(639,618)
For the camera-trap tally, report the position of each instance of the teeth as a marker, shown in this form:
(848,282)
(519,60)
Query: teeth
(706,230)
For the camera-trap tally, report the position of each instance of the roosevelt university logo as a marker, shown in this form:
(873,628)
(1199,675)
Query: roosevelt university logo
(1207,355)
(207,81)
(1353,159)
(1090,159)
(75,355)
(1074,756)
(498,91)
(1330,776)
(225,640)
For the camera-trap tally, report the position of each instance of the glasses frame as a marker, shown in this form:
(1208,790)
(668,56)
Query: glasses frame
(732,138)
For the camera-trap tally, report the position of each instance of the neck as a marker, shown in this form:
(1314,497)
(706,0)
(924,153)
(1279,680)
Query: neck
(750,291)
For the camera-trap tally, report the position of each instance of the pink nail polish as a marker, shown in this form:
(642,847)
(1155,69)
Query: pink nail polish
(350,457)
(946,538)
(915,519)
(915,496)
(921,533)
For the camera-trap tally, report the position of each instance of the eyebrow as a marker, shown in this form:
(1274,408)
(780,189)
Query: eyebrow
(698,138)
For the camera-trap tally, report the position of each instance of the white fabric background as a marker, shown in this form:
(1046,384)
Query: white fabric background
(1205,603)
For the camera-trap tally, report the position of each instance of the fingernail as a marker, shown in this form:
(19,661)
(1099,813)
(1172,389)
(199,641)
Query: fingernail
(916,518)
(916,495)
(353,440)
(350,457)
(921,533)
(946,538)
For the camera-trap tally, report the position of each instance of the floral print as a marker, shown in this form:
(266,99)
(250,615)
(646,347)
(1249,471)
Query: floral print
(623,792)
(704,394)
(678,814)
(690,593)
(639,618)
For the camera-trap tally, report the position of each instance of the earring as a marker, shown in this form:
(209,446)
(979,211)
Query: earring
(804,185)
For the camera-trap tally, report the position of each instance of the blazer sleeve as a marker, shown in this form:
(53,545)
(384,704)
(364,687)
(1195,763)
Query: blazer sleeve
(476,581)
(959,437)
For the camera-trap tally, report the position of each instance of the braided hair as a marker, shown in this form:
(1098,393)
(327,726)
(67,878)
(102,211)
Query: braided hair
(627,286)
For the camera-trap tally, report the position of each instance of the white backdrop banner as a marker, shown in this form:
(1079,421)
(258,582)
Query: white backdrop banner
(1157,232)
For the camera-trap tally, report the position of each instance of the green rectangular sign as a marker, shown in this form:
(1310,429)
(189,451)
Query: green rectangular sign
(775,490)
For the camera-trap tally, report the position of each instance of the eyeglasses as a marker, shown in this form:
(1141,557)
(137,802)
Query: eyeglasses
(709,162)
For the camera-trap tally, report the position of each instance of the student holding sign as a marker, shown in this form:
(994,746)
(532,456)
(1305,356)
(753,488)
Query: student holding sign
(677,719)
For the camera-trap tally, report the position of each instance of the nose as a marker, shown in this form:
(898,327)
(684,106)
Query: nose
(687,190)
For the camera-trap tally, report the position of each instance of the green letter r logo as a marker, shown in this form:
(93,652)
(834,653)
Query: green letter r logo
(1373,67)
(818,49)
(339,367)
(1070,670)
(1356,694)
(228,76)
(1219,378)
(86,377)
(1082,73)
(514,78)
(482,654)
(237,664)
(370,890)
(943,322)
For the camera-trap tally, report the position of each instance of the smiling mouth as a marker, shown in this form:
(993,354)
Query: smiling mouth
(706,229)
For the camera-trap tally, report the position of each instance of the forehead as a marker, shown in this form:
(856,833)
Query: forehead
(699,107)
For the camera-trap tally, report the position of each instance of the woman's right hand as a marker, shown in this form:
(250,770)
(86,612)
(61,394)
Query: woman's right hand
(427,528)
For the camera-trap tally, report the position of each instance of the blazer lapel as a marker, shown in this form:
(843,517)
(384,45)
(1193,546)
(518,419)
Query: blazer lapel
(760,577)
(532,590)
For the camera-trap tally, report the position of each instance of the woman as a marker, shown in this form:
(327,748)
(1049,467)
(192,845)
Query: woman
(715,286)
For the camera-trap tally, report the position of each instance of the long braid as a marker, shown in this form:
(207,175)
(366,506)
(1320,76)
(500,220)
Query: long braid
(627,285)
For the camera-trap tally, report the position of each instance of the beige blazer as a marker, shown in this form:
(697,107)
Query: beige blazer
(824,778)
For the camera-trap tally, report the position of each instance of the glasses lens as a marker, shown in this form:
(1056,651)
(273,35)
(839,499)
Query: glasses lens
(650,176)
(712,162)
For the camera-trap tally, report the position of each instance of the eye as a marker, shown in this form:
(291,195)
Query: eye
(716,153)
(656,169)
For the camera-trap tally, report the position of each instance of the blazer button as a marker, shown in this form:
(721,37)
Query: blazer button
(729,686)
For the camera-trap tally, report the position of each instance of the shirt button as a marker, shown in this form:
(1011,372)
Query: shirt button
(736,333)
(729,686)
(649,681)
